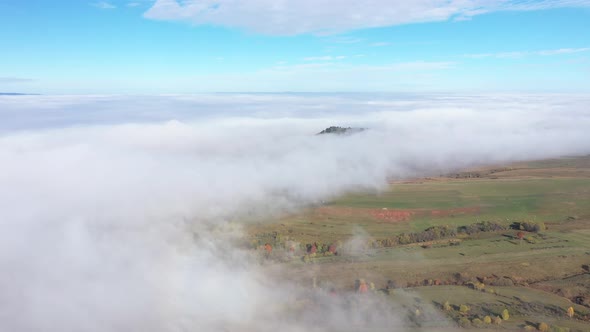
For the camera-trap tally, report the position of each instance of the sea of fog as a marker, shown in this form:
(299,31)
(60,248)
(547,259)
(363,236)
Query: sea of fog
(120,213)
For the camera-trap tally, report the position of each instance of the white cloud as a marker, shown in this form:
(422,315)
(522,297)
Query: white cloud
(15,80)
(125,226)
(345,40)
(104,5)
(292,17)
(521,54)
(564,51)
(324,58)
(380,44)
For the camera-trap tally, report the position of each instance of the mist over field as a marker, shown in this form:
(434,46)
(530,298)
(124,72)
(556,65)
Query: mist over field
(124,213)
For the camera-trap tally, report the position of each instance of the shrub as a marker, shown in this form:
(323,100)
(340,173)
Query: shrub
(391,284)
(464,309)
(497,320)
(543,327)
(362,286)
(503,282)
(268,248)
(464,322)
(332,248)
(484,226)
(476,285)
(447,306)
(570,312)
(529,226)
(505,314)
(477,322)
(487,320)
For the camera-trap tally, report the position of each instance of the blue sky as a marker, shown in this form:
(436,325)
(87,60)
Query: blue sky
(167,46)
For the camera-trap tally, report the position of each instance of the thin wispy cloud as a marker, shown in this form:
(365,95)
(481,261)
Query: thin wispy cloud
(345,40)
(380,44)
(325,58)
(521,54)
(15,80)
(564,51)
(104,5)
(528,5)
(347,72)
(328,17)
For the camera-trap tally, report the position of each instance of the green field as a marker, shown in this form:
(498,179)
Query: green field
(551,200)
(545,271)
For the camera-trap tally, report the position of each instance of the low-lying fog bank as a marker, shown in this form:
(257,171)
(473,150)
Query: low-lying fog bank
(119,213)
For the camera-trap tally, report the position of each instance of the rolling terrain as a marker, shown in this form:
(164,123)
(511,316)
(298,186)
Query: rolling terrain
(531,257)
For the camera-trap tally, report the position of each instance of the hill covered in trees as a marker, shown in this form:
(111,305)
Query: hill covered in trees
(341,130)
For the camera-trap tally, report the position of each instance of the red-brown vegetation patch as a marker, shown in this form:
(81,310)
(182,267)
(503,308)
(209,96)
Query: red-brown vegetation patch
(331,211)
(386,215)
(392,215)
(450,212)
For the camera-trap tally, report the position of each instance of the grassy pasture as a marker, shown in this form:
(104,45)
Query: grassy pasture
(549,200)
(548,268)
(526,306)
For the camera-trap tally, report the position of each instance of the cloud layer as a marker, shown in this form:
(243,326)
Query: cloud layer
(293,17)
(132,224)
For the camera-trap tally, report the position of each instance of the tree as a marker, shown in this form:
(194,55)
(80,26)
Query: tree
(570,312)
(391,284)
(362,286)
(543,327)
(479,286)
(447,306)
(268,248)
(313,249)
(520,235)
(464,309)
(539,227)
(332,248)
(464,322)
(505,314)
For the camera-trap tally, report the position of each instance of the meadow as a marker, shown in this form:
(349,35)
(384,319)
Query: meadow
(536,277)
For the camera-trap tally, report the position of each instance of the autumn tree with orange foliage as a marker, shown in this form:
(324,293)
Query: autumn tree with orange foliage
(520,235)
(362,287)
